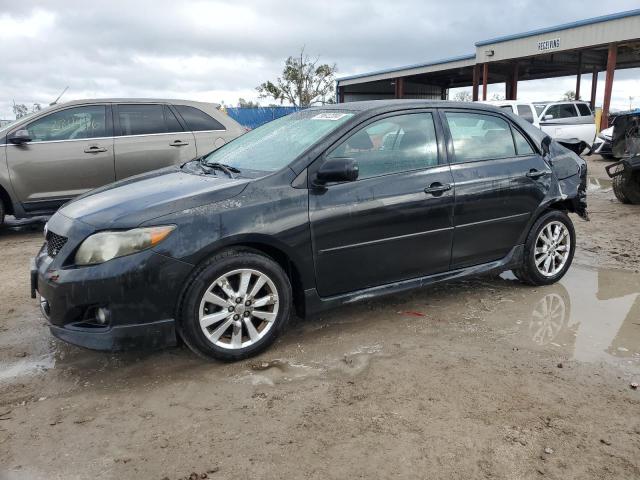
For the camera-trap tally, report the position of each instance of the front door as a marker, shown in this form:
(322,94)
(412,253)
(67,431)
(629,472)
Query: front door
(499,182)
(149,136)
(395,222)
(70,152)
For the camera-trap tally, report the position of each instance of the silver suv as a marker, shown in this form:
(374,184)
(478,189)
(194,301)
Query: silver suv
(65,150)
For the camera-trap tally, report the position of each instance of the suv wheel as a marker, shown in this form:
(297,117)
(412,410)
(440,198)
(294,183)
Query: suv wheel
(548,250)
(626,185)
(235,306)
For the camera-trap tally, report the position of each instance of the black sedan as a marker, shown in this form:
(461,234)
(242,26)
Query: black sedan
(324,207)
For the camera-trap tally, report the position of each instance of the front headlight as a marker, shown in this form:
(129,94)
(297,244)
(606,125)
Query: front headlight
(103,246)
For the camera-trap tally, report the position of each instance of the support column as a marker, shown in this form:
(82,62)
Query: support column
(399,87)
(594,87)
(476,81)
(579,75)
(485,78)
(340,94)
(443,93)
(608,85)
(511,90)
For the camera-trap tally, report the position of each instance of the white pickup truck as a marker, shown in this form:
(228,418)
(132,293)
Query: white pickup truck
(567,121)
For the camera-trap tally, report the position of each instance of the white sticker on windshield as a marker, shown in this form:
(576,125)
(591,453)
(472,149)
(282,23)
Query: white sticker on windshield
(329,116)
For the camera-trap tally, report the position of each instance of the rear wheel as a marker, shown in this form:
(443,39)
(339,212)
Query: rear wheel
(548,250)
(626,185)
(235,306)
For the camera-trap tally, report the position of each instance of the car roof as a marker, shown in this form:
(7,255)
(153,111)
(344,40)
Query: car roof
(395,104)
(549,102)
(134,100)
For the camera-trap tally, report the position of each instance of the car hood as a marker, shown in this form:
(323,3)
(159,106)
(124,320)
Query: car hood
(138,199)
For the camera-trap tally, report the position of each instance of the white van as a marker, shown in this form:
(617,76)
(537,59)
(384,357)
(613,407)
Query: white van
(561,120)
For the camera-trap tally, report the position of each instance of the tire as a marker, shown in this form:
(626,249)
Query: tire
(534,249)
(229,336)
(626,186)
(1,212)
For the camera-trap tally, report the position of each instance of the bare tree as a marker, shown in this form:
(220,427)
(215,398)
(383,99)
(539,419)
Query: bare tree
(463,96)
(569,95)
(303,82)
(497,96)
(21,110)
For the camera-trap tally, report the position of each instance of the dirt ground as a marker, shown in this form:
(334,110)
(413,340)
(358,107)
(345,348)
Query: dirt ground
(483,378)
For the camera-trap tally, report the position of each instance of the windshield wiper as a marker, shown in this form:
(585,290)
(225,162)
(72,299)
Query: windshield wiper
(228,169)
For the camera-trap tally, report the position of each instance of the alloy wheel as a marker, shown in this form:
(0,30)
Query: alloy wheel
(238,308)
(552,248)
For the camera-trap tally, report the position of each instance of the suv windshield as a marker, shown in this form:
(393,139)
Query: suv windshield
(276,144)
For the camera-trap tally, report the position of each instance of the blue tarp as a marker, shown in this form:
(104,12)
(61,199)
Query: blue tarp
(254,117)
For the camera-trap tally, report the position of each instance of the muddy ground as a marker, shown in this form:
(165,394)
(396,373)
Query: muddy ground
(484,378)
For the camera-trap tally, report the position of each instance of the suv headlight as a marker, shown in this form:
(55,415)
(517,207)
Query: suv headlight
(103,246)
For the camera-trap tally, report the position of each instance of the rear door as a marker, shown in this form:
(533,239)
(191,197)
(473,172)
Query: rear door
(70,152)
(499,182)
(393,223)
(148,137)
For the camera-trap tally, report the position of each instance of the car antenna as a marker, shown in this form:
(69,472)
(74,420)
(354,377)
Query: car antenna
(55,102)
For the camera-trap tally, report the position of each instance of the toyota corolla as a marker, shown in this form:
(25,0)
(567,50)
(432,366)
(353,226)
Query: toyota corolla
(324,207)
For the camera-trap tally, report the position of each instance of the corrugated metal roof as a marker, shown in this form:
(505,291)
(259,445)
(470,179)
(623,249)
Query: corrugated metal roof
(410,67)
(564,26)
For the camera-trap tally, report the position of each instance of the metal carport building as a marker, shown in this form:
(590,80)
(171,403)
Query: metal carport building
(588,46)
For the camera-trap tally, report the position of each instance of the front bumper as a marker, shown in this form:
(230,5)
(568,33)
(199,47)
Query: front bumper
(140,293)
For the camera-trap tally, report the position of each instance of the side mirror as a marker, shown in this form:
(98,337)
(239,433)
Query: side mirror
(337,170)
(546,145)
(548,117)
(20,136)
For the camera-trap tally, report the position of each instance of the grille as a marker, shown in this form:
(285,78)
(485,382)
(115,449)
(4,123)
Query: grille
(54,243)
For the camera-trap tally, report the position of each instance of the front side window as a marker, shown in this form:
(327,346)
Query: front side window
(70,124)
(197,120)
(561,110)
(393,144)
(141,119)
(276,144)
(525,112)
(479,137)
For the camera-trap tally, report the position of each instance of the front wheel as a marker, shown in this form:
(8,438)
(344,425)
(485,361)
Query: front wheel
(235,306)
(548,250)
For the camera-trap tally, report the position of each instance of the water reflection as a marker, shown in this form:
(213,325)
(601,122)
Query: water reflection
(591,315)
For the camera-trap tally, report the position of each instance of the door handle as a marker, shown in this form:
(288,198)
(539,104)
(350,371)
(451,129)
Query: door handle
(533,173)
(94,149)
(437,188)
(178,143)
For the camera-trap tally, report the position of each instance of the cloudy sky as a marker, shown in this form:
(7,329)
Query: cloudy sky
(220,51)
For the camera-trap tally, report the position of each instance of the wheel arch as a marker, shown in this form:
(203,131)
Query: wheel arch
(268,247)
(6,201)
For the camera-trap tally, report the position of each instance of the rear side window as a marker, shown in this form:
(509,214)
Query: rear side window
(525,112)
(70,124)
(394,144)
(584,110)
(141,119)
(562,110)
(197,120)
(508,108)
(479,137)
(173,125)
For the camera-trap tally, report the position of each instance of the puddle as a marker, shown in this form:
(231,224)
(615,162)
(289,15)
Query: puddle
(591,315)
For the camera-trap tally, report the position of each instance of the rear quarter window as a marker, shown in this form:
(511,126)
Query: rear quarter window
(584,110)
(197,120)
